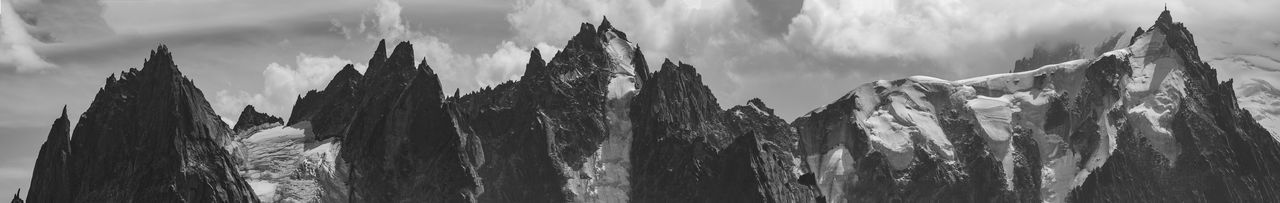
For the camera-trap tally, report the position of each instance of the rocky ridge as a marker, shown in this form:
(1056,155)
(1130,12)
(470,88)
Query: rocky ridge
(149,136)
(1147,122)
(250,117)
(1144,122)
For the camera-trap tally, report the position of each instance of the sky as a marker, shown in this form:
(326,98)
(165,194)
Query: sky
(796,55)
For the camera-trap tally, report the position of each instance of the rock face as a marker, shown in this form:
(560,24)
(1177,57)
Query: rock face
(1148,122)
(149,136)
(399,140)
(561,132)
(251,117)
(331,109)
(50,180)
(686,149)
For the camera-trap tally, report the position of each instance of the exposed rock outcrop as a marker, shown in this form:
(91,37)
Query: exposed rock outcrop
(149,136)
(686,149)
(402,144)
(250,118)
(1147,122)
(560,133)
(331,109)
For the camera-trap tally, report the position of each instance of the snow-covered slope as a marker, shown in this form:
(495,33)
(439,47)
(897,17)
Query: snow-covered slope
(1048,129)
(282,164)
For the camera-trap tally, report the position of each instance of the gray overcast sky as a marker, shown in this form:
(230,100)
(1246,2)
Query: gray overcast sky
(795,55)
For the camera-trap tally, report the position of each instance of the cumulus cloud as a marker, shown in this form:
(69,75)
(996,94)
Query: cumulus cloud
(282,85)
(829,45)
(463,71)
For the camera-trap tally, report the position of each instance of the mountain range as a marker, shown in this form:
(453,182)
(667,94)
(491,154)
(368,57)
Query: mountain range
(1143,122)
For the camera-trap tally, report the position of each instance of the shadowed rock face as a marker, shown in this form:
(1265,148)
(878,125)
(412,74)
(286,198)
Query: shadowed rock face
(399,139)
(250,117)
(1148,122)
(403,144)
(686,149)
(544,136)
(331,109)
(148,137)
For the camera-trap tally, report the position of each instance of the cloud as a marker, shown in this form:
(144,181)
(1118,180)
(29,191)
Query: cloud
(282,85)
(65,20)
(16,52)
(27,24)
(463,71)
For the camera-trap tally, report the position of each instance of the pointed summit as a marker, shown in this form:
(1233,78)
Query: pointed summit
(605,26)
(61,128)
(424,67)
(1165,17)
(160,61)
(1136,34)
(250,117)
(535,65)
(641,67)
(15,197)
(348,71)
(586,28)
(381,52)
(758,104)
(50,181)
(379,57)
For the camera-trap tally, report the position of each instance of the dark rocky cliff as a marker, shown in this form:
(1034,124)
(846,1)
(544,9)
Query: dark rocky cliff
(687,149)
(399,139)
(148,136)
(250,117)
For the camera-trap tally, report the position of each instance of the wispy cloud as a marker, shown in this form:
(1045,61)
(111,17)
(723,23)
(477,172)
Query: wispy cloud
(16,53)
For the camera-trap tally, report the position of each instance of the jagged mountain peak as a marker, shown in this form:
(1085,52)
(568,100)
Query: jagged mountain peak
(1165,17)
(1106,128)
(61,123)
(605,25)
(759,105)
(348,73)
(154,119)
(379,53)
(422,66)
(250,117)
(15,197)
(678,68)
(160,63)
(536,65)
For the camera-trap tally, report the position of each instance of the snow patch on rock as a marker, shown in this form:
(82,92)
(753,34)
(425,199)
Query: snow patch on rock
(284,164)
